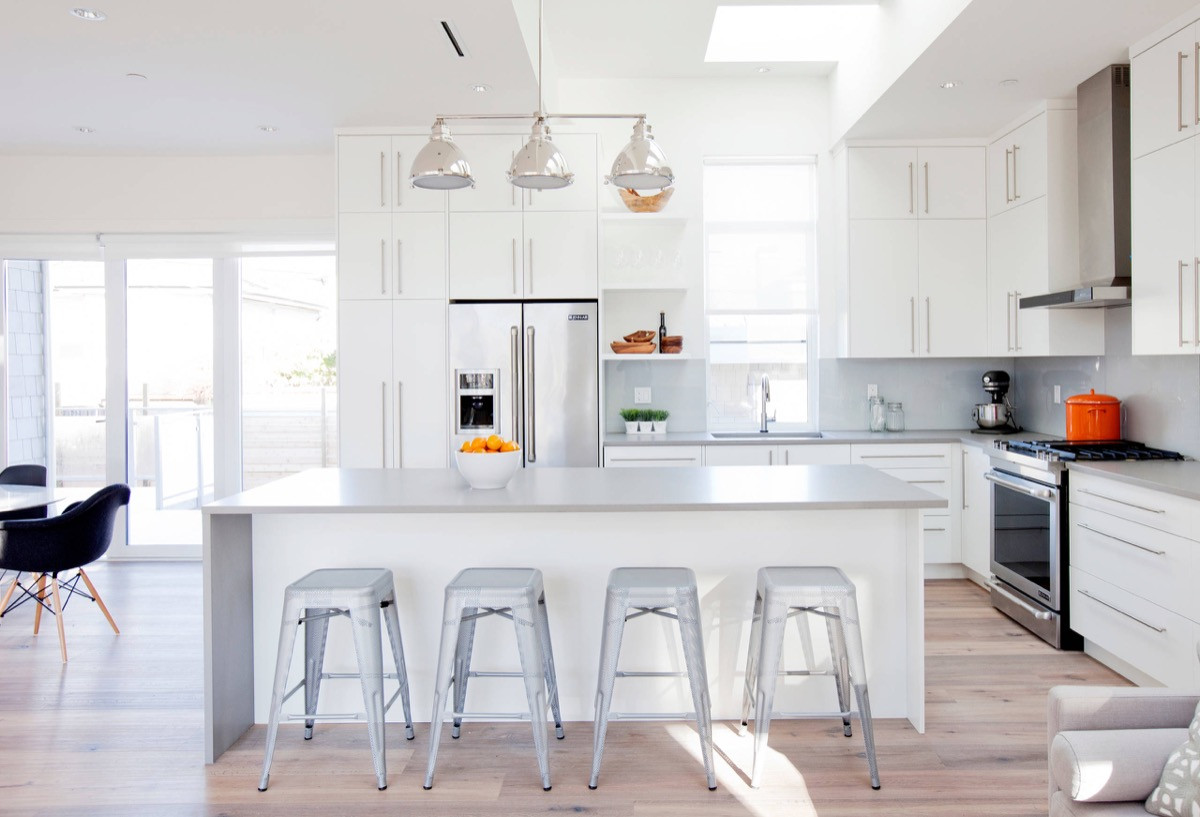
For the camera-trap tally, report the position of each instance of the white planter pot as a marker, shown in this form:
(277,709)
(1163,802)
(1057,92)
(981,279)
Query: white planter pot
(631,427)
(658,427)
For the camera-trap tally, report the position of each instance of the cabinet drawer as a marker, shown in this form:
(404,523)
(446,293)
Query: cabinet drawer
(939,543)
(901,455)
(1174,514)
(1149,563)
(815,454)
(658,456)
(934,480)
(1155,641)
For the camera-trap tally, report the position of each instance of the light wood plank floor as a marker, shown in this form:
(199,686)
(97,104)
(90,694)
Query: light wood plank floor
(118,732)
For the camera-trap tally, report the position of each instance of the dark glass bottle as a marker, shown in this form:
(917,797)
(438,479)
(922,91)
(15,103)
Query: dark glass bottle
(662,329)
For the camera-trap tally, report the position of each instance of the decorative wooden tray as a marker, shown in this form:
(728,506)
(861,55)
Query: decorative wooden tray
(632,348)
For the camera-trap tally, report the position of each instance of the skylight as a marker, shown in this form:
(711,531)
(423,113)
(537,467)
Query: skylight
(819,33)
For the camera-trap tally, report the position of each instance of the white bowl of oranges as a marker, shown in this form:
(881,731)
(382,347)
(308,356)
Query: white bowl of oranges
(488,462)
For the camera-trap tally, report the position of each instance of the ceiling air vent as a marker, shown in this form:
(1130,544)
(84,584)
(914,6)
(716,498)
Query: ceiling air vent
(453,40)
(1120,76)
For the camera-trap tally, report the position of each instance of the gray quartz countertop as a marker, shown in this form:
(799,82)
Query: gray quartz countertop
(548,490)
(1179,478)
(959,435)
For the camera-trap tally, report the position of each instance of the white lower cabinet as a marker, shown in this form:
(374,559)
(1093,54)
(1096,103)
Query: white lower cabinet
(1133,575)
(934,468)
(392,384)
(653,456)
(758,454)
(975,530)
(739,455)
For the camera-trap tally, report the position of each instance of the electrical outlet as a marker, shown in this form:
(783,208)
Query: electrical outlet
(872,390)
(1057,394)
(641,395)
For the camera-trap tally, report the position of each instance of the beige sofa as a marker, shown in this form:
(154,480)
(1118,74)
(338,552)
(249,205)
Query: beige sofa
(1108,745)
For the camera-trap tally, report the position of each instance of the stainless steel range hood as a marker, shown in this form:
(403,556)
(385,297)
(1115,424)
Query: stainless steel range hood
(1102,108)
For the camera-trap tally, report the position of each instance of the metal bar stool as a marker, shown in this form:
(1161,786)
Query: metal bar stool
(514,593)
(358,594)
(652,590)
(787,592)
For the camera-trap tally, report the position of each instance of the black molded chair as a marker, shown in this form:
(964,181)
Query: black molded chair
(24,474)
(49,547)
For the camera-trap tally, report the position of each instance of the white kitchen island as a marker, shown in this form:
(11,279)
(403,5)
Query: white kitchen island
(575,525)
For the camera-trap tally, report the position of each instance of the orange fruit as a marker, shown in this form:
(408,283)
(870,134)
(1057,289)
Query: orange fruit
(466,446)
(478,444)
(494,442)
(508,446)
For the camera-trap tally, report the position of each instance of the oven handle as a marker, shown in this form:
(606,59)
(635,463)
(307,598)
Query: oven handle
(1041,615)
(1020,487)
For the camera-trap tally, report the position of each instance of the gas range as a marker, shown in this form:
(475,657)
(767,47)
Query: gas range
(1050,457)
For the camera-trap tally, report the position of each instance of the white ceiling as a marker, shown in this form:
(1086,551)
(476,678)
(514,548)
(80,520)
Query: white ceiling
(218,70)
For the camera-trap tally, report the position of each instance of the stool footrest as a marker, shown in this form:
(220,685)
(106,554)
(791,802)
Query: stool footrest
(491,716)
(353,716)
(807,672)
(494,674)
(632,674)
(850,713)
(652,716)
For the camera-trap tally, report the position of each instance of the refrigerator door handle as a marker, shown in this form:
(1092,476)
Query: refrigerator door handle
(530,391)
(514,335)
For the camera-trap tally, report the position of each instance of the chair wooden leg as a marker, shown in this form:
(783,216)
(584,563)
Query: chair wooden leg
(8,596)
(92,589)
(41,596)
(58,618)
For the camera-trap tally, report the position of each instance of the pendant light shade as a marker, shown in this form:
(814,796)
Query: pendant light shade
(540,165)
(641,165)
(441,164)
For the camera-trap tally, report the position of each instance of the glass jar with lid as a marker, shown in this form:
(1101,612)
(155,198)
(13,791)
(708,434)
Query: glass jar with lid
(895,416)
(878,418)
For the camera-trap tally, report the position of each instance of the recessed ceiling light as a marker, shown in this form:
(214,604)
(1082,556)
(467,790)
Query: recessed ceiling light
(480,88)
(763,69)
(91,15)
(948,84)
(1009,82)
(84,129)
(135,76)
(267,128)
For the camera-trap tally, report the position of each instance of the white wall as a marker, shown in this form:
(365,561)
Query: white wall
(90,194)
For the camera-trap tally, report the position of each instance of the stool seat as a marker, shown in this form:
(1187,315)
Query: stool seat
(312,600)
(515,593)
(786,592)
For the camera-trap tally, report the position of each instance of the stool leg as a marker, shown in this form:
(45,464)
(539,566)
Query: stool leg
(841,668)
(368,645)
(532,668)
(688,608)
(752,655)
(868,730)
(858,677)
(283,659)
(462,666)
(615,607)
(543,623)
(773,627)
(316,634)
(451,622)
(392,619)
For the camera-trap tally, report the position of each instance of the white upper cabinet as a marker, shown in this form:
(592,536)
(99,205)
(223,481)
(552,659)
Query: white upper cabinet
(1166,106)
(952,296)
(487,256)
(364,255)
(373,176)
(883,288)
(909,183)
(1017,165)
(419,255)
(560,255)
(384,256)
(579,149)
(490,157)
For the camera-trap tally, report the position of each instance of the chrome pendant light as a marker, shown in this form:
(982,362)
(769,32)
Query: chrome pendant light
(641,165)
(540,164)
(441,164)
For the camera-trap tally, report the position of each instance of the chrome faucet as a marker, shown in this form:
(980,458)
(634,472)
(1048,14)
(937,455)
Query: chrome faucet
(766,395)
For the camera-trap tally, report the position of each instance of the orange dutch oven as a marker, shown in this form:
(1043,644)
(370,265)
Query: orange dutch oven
(1093,417)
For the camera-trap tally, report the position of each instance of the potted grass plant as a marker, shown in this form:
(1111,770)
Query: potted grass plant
(658,420)
(631,418)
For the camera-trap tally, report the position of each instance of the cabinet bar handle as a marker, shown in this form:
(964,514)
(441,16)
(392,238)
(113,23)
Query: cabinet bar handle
(912,323)
(514,336)
(927,187)
(399,265)
(514,266)
(1008,320)
(651,459)
(399,183)
(1007,189)
(531,266)
(382,179)
(925,481)
(383,266)
(963,481)
(1016,307)
(399,427)
(911,188)
(1123,541)
(928,322)
(1122,612)
(1196,305)
(901,456)
(1179,301)
(512,193)
(770,458)
(1180,57)
(1120,501)
(531,403)
(1016,195)
(383,424)
(1196,86)
(787,457)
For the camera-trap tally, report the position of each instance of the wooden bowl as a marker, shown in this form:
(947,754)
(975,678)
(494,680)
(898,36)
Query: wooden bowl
(640,336)
(672,344)
(632,348)
(637,203)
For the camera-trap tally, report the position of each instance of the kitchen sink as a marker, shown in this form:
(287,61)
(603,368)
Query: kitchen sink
(760,435)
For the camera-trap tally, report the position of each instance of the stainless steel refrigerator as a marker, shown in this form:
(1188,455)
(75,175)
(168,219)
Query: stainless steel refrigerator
(529,372)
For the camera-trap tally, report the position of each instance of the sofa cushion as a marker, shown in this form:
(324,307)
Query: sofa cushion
(1063,806)
(1178,791)
(1111,765)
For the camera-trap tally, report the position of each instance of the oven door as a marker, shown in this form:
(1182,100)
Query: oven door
(1026,536)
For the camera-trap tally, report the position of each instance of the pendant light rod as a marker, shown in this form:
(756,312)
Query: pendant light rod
(541,97)
(466,116)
